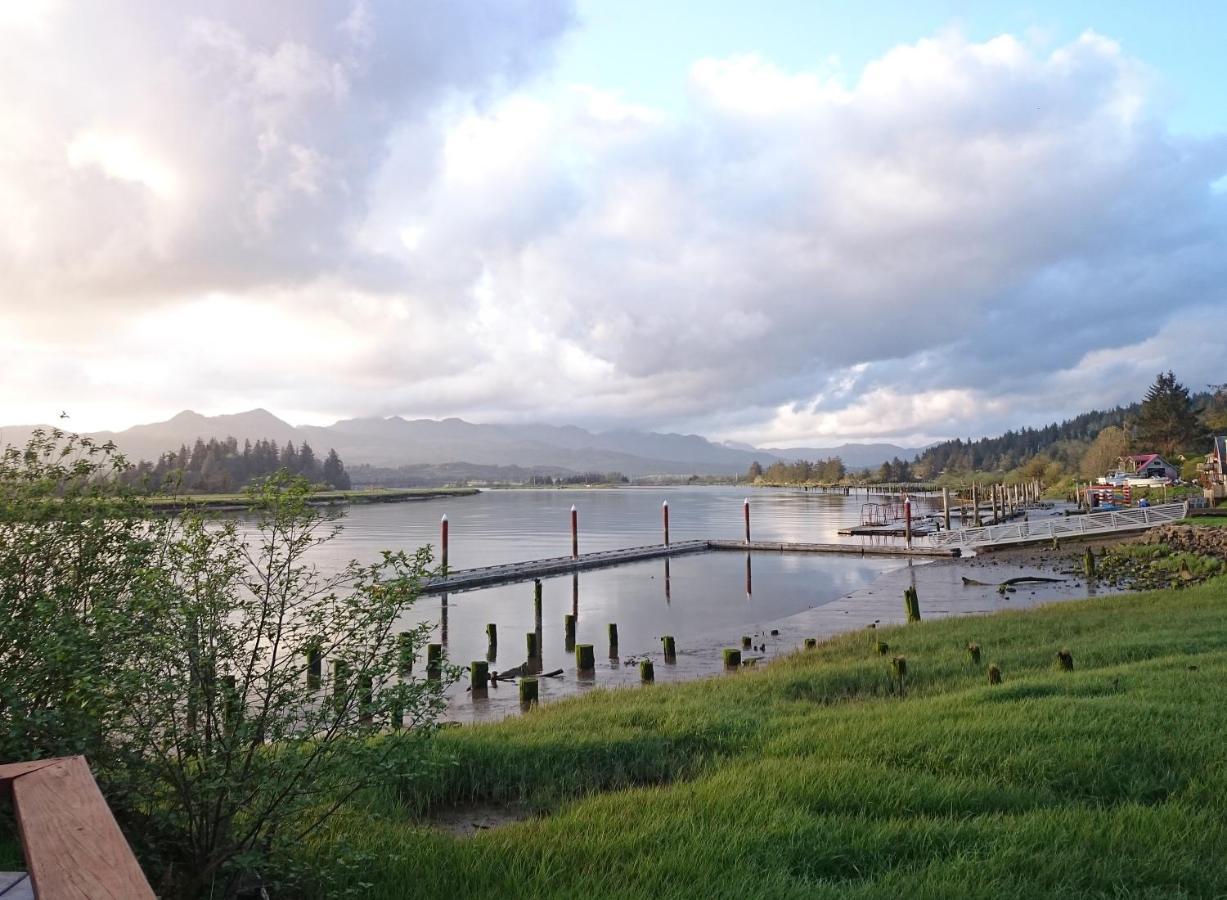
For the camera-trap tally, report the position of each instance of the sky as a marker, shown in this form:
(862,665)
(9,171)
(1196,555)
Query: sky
(784,223)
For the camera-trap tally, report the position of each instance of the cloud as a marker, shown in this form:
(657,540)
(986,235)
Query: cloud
(966,236)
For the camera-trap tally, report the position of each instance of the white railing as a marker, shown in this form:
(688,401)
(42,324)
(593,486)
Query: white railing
(1047,528)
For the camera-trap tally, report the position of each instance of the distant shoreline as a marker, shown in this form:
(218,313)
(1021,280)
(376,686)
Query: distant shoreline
(239,502)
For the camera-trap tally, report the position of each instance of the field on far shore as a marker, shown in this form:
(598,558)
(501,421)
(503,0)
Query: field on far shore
(819,777)
(323,498)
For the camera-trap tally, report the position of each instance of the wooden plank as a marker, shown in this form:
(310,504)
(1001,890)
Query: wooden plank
(73,846)
(9,771)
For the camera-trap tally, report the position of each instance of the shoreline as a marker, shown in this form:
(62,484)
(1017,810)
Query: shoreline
(939,584)
(359,497)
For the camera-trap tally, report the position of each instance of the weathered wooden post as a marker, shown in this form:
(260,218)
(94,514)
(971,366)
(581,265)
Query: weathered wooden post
(585,659)
(811,643)
(973,654)
(647,672)
(946,506)
(613,640)
(898,667)
(996,514)
(994,674)
(443,544)
(568,631)
(528,692)
(746,643)
(479,675)
(315,667)
(745,507)
(404,653)
(882,647)
(340,682)
(732,658)
(665,513)
(1088,562)
(491,641)
(1065,660)
(574,532)
(975,504)
(669,647)
(911,604)
(434,661)
(907,521)
(530,645)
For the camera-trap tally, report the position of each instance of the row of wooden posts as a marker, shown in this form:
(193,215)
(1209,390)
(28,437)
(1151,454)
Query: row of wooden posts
(1005,499)
(664,506)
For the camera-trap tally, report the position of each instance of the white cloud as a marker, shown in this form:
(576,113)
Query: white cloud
(963,236)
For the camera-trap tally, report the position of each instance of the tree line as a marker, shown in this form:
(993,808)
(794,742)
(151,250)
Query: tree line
(218,467)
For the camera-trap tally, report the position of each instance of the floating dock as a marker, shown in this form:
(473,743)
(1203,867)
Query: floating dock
(507,573)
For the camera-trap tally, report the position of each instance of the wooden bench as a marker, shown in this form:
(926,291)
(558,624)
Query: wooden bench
(73,846)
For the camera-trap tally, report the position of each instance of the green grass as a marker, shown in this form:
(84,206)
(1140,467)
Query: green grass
(813,778)
(1206,521)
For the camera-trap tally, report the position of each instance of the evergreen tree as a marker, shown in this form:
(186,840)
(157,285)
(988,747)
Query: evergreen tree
(334,472)
(1167,422)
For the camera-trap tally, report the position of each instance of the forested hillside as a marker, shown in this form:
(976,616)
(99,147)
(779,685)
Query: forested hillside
(220,466)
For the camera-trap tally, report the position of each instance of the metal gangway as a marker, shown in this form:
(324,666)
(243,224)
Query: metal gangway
(968,540)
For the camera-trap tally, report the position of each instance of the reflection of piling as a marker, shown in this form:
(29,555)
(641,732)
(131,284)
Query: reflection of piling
(537,627)
(530,646)
(443,619)
(613,640)
(668,586)
(434,660)
(749,578)
(568,632)
(670,648)
(665,512)
(575,595)
(491,642)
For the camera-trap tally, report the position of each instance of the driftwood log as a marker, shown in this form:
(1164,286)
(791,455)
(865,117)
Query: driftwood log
(1025,579)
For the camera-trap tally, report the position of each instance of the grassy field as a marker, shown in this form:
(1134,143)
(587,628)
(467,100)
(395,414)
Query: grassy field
(816,778)
(1207,521)
(367,495)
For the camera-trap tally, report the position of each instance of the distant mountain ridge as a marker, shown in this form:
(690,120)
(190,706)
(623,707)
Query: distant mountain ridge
(396,442)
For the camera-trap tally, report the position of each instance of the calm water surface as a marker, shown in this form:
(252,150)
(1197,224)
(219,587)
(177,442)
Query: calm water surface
(706,601)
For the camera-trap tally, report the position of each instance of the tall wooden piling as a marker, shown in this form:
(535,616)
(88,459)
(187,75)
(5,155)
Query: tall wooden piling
(975,504)
(946,506)
(745,507)
(443,545)
(907,521)
(574,532)
(996,512)
(664,507)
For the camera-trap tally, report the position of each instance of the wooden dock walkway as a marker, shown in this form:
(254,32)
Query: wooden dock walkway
(508,573)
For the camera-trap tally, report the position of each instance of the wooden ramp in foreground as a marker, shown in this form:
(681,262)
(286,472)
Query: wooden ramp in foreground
(507,573)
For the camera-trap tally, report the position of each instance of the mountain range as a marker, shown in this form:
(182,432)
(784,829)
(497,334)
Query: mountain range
(397,442)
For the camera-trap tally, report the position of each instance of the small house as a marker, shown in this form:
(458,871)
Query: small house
(1214,471)
(1149,465)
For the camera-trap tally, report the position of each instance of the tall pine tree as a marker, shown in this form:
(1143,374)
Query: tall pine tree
(1167,422)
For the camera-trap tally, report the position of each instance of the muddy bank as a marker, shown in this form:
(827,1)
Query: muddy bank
(939,584)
